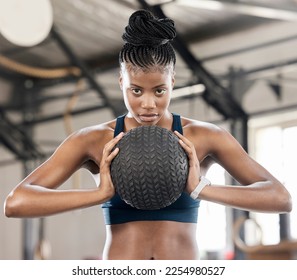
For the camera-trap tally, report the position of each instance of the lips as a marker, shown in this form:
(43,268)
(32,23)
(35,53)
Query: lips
(148,117)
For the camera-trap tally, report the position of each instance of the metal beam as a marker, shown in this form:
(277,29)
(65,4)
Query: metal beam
(29,225)
(239,129)
(9,76)
(250,48)
(16,140)
(84,70)
(292,107)
(52,117)
(266,70)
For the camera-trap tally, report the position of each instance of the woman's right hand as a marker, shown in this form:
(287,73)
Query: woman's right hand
(109,153)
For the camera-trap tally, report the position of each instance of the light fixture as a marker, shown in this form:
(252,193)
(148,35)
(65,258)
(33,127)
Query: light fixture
(25,23)
(158,2)
(242,8)
(197,89)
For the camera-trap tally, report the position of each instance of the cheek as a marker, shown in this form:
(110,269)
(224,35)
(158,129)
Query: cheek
(130,100)
(165,100)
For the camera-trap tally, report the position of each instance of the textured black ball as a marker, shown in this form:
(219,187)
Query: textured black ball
(151,168)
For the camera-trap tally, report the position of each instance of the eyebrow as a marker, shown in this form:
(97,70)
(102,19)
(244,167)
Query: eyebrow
(161,85)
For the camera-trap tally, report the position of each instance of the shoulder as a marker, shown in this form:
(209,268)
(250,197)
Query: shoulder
(205,135)
(191,126)
(94,132)
(93,136)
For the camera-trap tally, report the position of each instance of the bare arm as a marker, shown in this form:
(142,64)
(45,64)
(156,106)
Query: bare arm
(260,191)
(37,195)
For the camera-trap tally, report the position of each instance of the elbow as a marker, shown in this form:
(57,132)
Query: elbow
(285,201)
(12,206)
(8,208)
(288,205)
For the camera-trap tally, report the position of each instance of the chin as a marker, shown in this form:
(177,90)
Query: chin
(148,123)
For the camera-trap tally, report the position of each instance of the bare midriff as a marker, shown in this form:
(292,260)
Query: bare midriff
(151,240)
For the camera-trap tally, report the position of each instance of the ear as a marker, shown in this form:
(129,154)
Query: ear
(121,81)
(173,81)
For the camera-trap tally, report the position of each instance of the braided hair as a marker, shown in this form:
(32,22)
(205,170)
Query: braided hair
(147,42)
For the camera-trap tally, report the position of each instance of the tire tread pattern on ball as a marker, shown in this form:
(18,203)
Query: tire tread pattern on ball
(151,169)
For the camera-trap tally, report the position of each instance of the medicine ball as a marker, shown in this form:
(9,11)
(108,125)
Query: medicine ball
(151,169)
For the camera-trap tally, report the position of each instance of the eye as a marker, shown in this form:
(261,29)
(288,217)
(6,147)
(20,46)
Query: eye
(160,91)
(136,91)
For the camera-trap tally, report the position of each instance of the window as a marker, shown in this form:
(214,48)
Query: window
(273,144)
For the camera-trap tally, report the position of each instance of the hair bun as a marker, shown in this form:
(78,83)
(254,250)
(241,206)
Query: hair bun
(145,29)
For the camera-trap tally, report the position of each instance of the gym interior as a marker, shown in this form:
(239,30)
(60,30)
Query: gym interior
(236,68)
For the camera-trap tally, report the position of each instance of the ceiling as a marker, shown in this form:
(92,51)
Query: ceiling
(93,29)
(85,39)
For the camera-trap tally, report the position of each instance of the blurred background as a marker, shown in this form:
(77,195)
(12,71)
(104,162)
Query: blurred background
(237,68)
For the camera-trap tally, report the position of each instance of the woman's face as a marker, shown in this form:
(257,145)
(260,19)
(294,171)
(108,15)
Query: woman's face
(146,93)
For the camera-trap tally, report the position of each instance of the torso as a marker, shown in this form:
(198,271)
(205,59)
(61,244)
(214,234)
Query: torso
(149,239)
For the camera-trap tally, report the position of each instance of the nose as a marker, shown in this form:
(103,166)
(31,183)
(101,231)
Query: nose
(148,101)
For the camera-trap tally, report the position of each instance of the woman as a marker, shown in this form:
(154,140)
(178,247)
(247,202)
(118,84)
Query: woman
(147,62)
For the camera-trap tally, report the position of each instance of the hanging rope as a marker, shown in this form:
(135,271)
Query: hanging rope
(68,123)
(37,71)
(70,106)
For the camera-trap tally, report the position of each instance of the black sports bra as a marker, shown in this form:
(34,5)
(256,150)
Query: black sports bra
(184,209)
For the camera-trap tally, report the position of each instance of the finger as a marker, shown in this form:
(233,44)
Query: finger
(116,139)
(185,143)
(112,155)
(106,162)
(188,146)
(110,145)
(119,136)
(183,138)
(191,154)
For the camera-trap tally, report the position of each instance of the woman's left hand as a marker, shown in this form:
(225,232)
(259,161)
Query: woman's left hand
(194,165)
